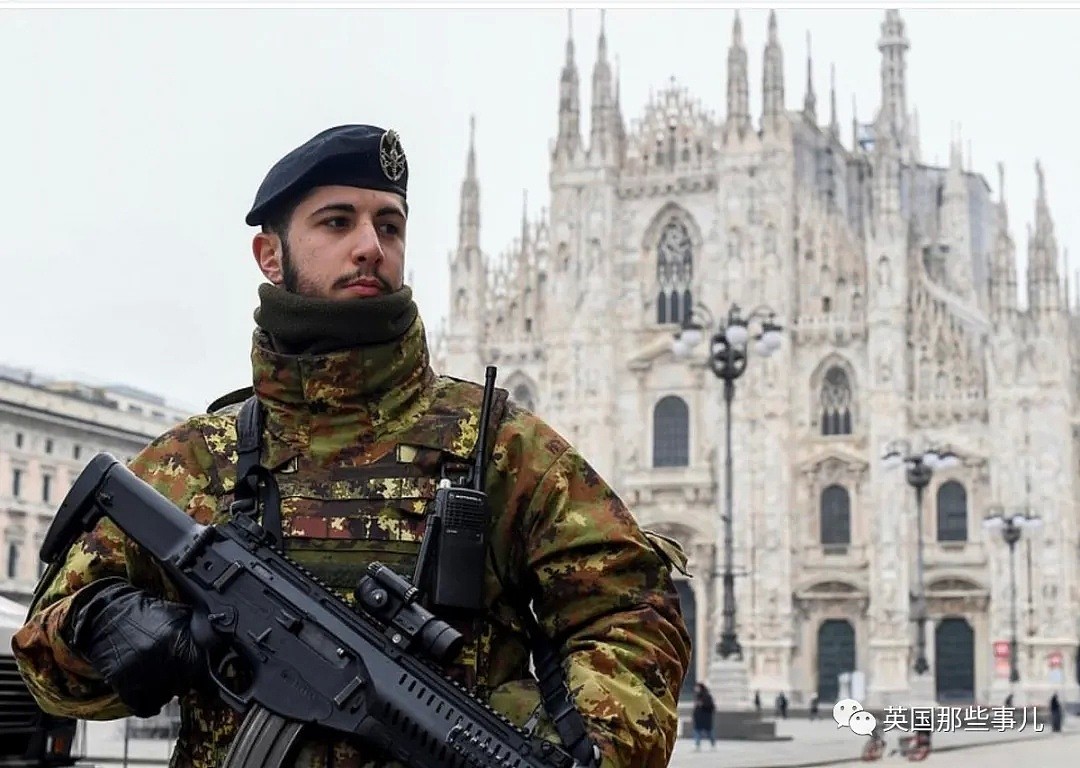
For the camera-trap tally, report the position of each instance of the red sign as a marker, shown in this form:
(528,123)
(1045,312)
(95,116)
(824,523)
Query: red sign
(1001,649)
(1054,659)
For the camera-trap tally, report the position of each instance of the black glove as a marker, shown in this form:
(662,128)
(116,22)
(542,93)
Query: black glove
(141,645)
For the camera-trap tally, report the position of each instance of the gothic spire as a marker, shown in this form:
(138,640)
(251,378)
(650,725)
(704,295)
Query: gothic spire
(893,44)
(810,100)
(524,219)
(773,76)
(469,217)
(854,124)
(956,150)
(1044,225)
(1044,285)
(602,41)
(470,160)
(1003,297)
(834,123)
(890,130)
(738,85)
(1002,208)
(603,140)
(618,83)
(955,174)
(954,220)
(620,124)
(568,142)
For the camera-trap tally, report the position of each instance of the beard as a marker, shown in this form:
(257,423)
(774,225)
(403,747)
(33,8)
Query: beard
(296,283)
(290,274)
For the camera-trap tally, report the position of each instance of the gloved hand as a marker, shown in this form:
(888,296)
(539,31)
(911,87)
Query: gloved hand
(141,645)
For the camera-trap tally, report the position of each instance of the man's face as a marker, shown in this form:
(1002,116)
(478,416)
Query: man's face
(342,243)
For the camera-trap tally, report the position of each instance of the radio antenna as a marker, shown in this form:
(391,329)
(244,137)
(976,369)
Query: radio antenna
(485,413)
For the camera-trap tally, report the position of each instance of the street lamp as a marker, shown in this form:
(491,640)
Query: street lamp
(1011,526)
(920,469)
(727,358)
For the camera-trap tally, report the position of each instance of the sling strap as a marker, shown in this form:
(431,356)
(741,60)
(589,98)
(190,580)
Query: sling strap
(559,704)
(256,488)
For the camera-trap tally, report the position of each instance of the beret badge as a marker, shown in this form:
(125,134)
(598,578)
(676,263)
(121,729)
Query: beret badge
(391,156)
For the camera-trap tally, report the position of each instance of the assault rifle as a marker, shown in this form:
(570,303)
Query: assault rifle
(308,658)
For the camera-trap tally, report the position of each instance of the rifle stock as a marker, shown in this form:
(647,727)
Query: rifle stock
(309,658)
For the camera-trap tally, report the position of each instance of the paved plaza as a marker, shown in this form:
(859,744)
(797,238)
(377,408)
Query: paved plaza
(809,744)
(821,743)
(1056,750)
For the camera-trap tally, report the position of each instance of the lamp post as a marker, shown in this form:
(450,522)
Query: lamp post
(1011,527)
(919,471)
(727,358)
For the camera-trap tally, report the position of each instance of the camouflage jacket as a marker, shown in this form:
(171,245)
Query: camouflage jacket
(352,438)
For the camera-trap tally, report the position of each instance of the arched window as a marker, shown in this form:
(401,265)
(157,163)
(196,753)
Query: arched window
(835,515)
(674,270)
(835,403)
(671,433)
(952,512)
(524,397)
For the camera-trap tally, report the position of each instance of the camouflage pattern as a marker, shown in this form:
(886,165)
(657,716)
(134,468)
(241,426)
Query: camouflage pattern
(355,439)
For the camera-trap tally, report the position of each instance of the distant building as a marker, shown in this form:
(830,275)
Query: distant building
(49,430)
(896,282)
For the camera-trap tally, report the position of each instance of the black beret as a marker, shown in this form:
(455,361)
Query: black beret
(362,156)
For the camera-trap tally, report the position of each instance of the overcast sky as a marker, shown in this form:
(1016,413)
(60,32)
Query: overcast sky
(134,141)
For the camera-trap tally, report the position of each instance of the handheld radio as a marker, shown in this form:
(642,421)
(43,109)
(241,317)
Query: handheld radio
(457,530)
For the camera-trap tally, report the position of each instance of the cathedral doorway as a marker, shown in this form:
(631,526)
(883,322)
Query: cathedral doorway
(835,655)
(954,660)
(689,612)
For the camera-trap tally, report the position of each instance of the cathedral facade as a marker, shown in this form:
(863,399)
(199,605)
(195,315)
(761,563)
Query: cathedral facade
(895,282)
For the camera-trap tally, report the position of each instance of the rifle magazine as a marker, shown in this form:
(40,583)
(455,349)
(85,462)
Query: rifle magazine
(265,740)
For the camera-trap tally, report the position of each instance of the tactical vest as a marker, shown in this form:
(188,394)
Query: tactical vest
(336,524)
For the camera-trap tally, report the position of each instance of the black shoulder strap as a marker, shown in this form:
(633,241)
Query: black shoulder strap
(558,702)
(232,398)
(256,489)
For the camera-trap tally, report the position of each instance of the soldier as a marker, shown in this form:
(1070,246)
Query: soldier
(351,428)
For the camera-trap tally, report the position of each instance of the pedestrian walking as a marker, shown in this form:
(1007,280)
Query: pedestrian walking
(1055,714)
(704,707)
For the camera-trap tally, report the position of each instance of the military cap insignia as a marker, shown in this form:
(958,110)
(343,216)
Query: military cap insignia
(391,155)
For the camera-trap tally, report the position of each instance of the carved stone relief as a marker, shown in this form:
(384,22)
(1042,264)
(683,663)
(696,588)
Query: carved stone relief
(950,359)
(884,272)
